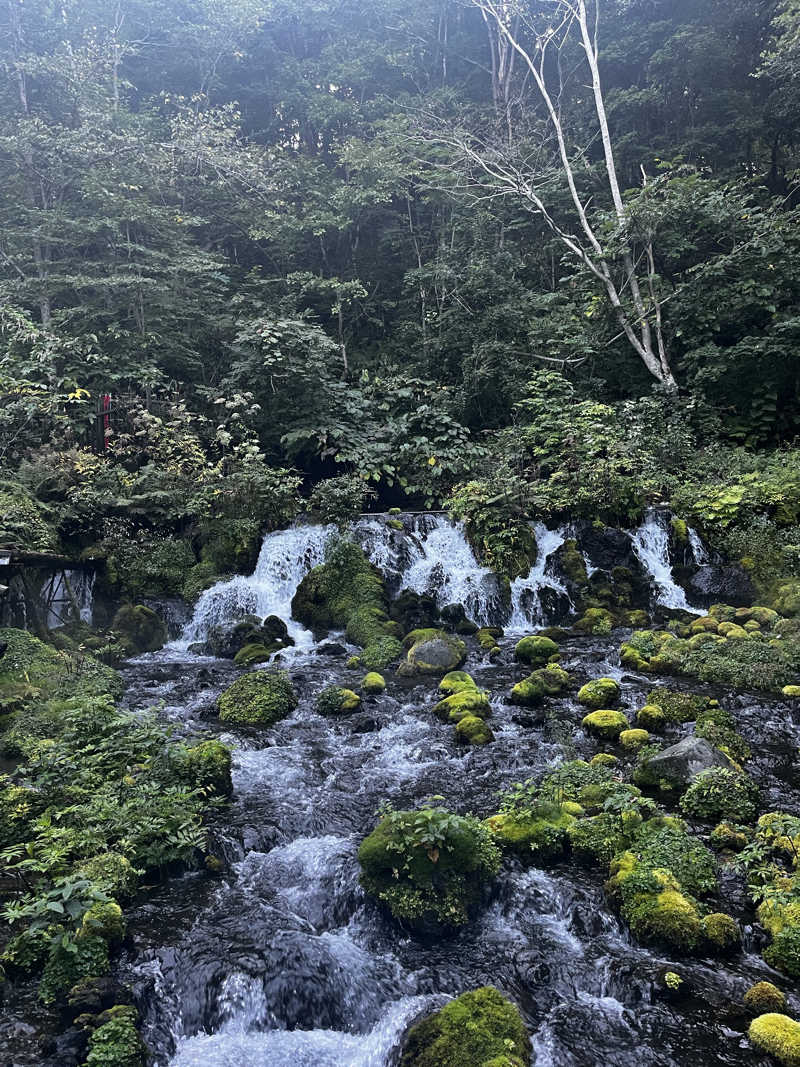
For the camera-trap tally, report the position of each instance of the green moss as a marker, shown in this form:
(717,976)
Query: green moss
(605,723)
(110,872)
(472,730)
(478,1029)
(538,834)
(431,651)
(572,562)
(721,793)
(24,521)
(250,655)
(139,629)
(115,1041)
(596,621)
(467,702)
(535,650)
(777,1035)
(208,766)
(488,636)
(49,673)
(633,740)
(334,700)
(380,654)
(728,836)
(791,692)
(105,920)
(651,717)
(603,759)
(598,839)
(721,931)
(455,681)
(764,997)
(258,699)
(680,530)
(678,707)
(654,906)
(428,865)
(601,693)
(373,683)
(528,693)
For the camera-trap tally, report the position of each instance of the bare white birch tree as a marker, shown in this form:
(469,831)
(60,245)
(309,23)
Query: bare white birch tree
(538,33)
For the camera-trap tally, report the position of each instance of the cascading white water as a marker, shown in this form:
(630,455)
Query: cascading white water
(286,557)
(443,565)
(526,593)
(699,550)
(651,545)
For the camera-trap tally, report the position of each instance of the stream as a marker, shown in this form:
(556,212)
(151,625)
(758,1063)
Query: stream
(282,960)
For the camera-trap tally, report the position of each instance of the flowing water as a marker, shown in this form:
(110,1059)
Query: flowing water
(283,961)
(651,545)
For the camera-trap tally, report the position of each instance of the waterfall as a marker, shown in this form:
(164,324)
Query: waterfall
(699,550)
(651,545)
(439,561)
(286,557)
(527,609)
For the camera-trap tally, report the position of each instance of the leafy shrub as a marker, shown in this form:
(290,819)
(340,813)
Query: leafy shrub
(341,499)
(721,793)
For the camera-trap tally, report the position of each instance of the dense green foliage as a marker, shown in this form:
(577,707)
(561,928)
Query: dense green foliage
(303,272)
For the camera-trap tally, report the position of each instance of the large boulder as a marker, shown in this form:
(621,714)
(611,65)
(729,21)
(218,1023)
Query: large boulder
(268,636)
(681,763)
(139,629)
(432,652)
(730,584)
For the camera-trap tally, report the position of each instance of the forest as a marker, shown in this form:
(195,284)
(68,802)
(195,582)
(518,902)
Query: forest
(399,533)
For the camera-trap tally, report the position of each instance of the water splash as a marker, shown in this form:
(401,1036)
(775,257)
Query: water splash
(651,545)
(699,550)
(286,557)
(527,609)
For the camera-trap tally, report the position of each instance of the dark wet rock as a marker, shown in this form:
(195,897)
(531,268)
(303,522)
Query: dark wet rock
(331,648)
(226,641)
(685,760)
(607,547)
(455,618)
(414,611)
(730,584)
(67,1049)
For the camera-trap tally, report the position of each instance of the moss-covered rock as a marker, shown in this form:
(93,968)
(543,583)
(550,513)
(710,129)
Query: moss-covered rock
(207,765)
(199,578)
(139,629)
(729,836)
(258,699)
(478,1029)
(777,1035)
(721,931)
(250,655)
(595,621)
(112,873)
(467,702)
(104,919)
(115,1039)
(603,759)
(791,692)
(764,997)
(633,740)
(598,839)
(654,905)
(473,730)
(455,681)
(334,700)
(488,636)
(679,707)
(536,835)
(605,723)
(546,681)
(601,693)
(373,683)
(536,650)
(428,866)
(432,652)
(651,717)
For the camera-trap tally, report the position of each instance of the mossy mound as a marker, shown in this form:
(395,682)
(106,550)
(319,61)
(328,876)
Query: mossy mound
(763,998)
(536,650)
(432,651)
(595,622)
(488,636)
(347,593)
(139,629)
(633,740)
(536,835)
(478,1029)
(777,1035)
(721,931)
(334,700)
(721,793)
(473,730)
(208,766)
(791,692)
(651,717)
(601,693)
(373,683)
(677,706)
(455,681)
(428,866)
(654,906)
(250,655)
(473,702)
(729,836)
(258,699)
(544,682)
(605,723)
